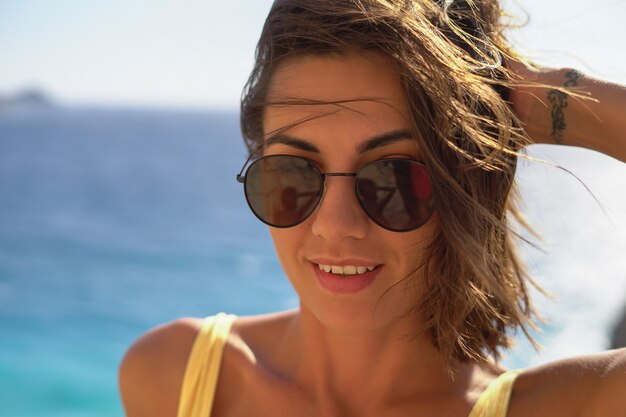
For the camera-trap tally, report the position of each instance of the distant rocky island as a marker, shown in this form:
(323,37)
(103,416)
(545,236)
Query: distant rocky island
(26,99)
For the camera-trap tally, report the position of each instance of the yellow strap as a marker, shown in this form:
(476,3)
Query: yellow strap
(203,366)
(494,402)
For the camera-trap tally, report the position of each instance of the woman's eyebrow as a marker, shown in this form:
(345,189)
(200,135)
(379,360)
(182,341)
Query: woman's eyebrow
(377,141)
(383,140)
(301,144)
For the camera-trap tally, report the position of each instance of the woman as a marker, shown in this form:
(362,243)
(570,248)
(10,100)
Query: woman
(402,123)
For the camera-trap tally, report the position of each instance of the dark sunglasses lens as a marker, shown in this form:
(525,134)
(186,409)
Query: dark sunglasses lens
(395,193)
(282,190)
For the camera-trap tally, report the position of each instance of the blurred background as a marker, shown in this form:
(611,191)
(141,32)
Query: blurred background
(119,209)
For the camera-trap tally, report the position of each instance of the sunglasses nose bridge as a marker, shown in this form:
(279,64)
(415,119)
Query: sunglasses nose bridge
(335,174)
(338,174)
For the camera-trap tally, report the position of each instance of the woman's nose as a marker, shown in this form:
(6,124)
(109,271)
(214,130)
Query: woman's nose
(339,215)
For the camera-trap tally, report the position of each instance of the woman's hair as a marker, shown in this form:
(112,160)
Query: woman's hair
(450,57)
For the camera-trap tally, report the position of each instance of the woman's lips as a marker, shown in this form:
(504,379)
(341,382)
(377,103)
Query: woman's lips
(345,284)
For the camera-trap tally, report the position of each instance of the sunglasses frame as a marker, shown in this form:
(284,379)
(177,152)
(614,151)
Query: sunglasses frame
(241,178)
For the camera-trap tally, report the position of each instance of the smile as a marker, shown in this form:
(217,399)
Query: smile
(346,269)
(345,279)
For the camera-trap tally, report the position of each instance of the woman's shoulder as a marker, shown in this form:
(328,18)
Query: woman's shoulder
(591,385)
(152,371)
(251,348)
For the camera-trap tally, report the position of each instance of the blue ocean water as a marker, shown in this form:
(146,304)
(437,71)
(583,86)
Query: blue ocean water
(113,221)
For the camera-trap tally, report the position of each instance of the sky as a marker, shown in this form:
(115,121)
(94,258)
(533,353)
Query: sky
(198,53)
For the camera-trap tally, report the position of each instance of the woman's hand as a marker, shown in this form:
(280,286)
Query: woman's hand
(563,106)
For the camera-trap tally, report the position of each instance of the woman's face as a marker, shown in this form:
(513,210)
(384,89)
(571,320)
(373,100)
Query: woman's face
(339,233)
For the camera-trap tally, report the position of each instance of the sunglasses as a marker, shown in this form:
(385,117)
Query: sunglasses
(283,191)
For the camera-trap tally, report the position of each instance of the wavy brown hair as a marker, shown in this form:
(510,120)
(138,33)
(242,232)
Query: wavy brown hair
(450,55)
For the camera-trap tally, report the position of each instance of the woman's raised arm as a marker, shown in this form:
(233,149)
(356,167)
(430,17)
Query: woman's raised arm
(549,115)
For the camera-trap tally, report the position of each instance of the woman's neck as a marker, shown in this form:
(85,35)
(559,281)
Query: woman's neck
(370,367)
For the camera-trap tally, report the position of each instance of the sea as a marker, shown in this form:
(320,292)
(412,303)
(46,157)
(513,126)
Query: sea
(115,220)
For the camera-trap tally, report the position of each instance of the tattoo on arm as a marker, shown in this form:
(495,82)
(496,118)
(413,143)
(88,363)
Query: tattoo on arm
(558,102)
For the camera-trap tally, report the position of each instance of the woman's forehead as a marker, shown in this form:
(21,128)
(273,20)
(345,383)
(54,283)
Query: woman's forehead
(316,89)
(336,77)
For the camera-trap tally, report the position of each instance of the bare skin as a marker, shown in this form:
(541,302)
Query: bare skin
(550,117)
(152,373)
(336,355)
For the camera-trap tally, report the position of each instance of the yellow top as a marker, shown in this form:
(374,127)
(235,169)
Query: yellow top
(494,401)
(203,366)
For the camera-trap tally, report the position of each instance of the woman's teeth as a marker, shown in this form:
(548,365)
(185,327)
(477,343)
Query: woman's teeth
(345,270)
